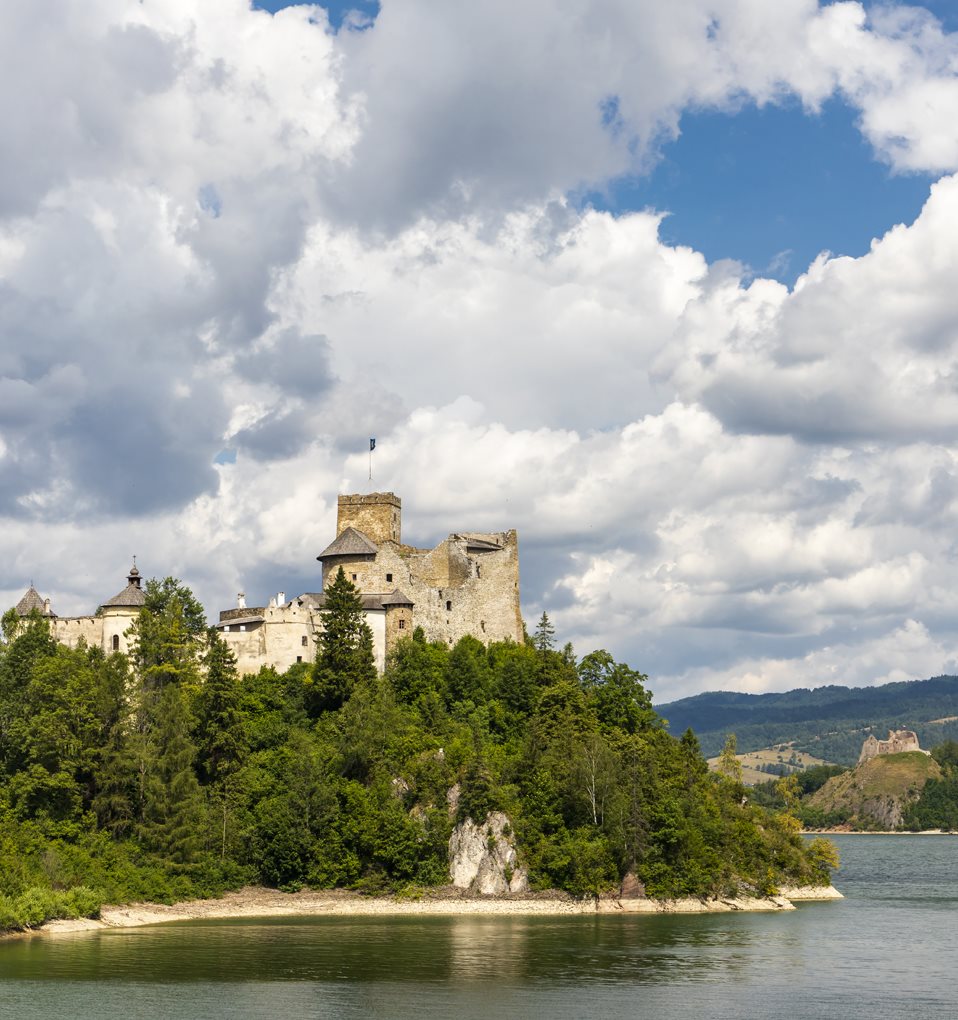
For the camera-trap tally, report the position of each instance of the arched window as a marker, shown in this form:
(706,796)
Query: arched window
(116,642)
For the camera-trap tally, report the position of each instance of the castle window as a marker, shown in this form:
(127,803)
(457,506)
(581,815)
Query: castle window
(355,576)
(478,574)
(299,658)
(226,629)
(305,640)
(402,624)
(242,627)
(116,642)
(448,606)
(389,579)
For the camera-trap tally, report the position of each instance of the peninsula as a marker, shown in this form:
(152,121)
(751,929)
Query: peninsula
(455,751)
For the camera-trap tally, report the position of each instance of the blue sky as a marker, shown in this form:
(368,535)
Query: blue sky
(770,186)
(233,247)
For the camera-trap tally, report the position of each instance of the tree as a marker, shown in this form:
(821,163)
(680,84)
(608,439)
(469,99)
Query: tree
(172,802)
(729,767)
(344,657)
(221,741)
(467,672)
(617,693)
(544,637)
(168,635)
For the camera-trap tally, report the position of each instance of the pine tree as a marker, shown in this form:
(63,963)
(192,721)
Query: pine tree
(172,801)
(344,657)
(220,737)
(544,637)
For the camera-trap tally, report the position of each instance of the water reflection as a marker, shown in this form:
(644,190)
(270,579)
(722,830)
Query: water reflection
(832,959)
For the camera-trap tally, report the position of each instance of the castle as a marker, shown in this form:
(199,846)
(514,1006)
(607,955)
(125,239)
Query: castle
(468,584)
(898,742)
(107,629)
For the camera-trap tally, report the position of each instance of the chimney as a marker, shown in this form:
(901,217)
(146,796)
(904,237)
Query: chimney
(46,607)
(281,598)
(241,600)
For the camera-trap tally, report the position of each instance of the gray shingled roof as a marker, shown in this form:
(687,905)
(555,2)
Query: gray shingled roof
(397,598)
(132,597)
(318,600)
(349,542)
(31,600)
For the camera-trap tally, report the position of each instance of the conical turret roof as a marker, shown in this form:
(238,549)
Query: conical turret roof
(349,542)
(31,600)
(132,596)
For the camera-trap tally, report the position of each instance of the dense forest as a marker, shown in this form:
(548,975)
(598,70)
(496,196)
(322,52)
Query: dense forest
(828,722)
(164,775)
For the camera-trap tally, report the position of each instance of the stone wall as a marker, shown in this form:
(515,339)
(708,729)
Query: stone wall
(286,634)
(898,742)
(96,631)
(468,584)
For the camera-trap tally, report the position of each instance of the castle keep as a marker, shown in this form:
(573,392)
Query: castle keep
(468,584)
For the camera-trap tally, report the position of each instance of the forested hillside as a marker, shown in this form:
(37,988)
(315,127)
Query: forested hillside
(166,775)
(828,722)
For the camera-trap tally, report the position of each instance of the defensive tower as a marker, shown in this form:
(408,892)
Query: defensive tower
(378,515)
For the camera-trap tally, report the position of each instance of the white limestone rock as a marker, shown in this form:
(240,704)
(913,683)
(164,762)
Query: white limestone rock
(482,858)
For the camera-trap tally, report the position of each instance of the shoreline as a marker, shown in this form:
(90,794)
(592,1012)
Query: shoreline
(874,832)
(258,902)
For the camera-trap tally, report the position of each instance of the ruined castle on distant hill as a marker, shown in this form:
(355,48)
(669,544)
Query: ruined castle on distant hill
(468,584)
(898,742)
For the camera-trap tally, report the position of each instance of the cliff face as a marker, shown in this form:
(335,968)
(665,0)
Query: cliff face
(877,792)
(482,858)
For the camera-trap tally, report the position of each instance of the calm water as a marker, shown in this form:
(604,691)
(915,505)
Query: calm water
(889,948)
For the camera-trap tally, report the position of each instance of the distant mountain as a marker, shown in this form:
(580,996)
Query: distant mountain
(828,722)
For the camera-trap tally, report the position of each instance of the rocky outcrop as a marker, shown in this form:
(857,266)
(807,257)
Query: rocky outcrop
(482,858)
(875,794)
(631,888)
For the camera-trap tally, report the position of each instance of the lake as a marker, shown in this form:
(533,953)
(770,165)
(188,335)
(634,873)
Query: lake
(888,949)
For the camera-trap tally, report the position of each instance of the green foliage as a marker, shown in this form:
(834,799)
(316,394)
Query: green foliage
(166,775)
(937,807)
(544,637)
(167,635)
(344,657)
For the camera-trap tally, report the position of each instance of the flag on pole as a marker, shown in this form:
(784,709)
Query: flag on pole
(372,445)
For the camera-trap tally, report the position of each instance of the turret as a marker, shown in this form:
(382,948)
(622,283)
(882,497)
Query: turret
(378,515)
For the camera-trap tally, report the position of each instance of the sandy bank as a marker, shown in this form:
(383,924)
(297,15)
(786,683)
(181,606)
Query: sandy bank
(877,832)
(257,902)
